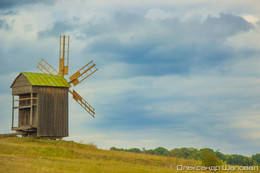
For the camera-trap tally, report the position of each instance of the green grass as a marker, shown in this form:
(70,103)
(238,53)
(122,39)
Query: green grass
(24,155)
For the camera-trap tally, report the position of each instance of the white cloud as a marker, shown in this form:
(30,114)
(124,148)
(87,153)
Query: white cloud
(248,123)
(255,135)
(158,14)
(6,113)
(148,140)
(245,41)
(250,18)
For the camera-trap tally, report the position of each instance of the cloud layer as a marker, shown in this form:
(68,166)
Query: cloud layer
(171,74)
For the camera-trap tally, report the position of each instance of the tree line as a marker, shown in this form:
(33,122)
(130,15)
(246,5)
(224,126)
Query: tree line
(207,155)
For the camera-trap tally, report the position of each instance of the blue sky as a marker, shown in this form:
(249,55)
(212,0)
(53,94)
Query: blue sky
(171,74)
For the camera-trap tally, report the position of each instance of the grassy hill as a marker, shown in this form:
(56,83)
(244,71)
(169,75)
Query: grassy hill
(33,155)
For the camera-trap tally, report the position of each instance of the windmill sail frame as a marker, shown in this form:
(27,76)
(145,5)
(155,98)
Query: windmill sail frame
(76,78)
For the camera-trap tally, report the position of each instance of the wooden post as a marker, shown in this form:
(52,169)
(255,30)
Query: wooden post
(12,112)
(31,110)
(68,53)
(60,50)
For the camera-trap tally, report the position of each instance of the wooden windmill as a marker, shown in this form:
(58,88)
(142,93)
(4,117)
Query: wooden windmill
(41,99)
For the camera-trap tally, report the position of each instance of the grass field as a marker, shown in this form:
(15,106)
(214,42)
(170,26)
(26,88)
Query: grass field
(24,155)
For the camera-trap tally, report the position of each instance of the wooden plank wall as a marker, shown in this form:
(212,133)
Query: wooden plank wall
(52,111)
(24,114)
(21,85)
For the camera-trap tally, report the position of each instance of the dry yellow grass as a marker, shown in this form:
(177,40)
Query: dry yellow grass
(32,155)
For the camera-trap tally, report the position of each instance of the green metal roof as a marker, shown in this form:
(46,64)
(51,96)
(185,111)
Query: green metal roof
(46,79)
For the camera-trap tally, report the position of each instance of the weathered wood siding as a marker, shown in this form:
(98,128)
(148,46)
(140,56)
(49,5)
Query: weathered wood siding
(21,85)
(24,117)
(22,90)
(24,114)
(52,111)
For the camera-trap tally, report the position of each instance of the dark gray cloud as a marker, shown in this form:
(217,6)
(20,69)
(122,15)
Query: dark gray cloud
(58,28)
(23,56)
(168,46)
(226,25)
(6,4)
(7,12)
(181,45)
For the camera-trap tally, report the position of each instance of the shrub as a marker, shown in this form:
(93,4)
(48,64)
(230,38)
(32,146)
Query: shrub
(209,157)
(256,158)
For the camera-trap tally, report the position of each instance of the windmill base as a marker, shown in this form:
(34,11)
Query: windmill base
(32,132)
(34,135)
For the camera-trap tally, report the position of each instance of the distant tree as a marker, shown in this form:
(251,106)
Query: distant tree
(221,156)
(151,151)
(134,150)
(161,151)
(186,153)
(248,161)
(203,150)
(209,157)
(230,160)
(256,158)
(177,152)
(117,149)
(236,159)
(158,151)
(113,148)
(191,153)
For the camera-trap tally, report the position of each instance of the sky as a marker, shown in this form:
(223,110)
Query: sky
(171,74)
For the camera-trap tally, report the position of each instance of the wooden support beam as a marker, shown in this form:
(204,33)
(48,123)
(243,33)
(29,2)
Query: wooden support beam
(23,107)
(12,112)
(34,98)
(31,110)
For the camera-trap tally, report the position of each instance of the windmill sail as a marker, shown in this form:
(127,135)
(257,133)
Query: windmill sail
(64,56)
(83,103)
(46,68)
(76,78)
(83,73)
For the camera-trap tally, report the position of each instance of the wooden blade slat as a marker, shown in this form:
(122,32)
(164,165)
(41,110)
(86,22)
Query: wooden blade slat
(46,67)
(83,103)
(83,73)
